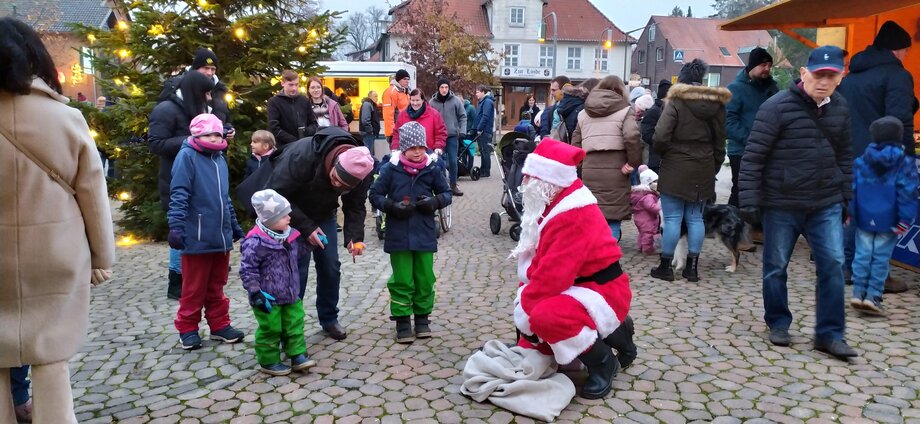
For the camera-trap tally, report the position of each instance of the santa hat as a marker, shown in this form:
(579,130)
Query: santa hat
(554,162)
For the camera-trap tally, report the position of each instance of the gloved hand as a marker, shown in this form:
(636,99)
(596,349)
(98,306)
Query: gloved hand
(427,204)
(261,300)
(176,238)
(901,229)
(398,209)
(100,276)
(532,338)
(238,233)
(473,134)
(751,215)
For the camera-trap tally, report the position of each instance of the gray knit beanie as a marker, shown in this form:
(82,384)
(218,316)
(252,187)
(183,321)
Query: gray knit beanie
(270,206)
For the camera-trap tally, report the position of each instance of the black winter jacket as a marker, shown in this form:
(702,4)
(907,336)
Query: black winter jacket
(166,131)
(788,163)
(647,129)
(286,114)
(219,106)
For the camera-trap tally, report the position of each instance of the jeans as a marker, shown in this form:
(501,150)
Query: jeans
(485,149)
(870,264)
(735,162)
(369,140)
(19,382)
(677,211)
(452,149)
(615,229)
(824,233)
(175,260)
(849,247)
(328,274)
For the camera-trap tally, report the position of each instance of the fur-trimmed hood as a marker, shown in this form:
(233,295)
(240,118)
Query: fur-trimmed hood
(705,102)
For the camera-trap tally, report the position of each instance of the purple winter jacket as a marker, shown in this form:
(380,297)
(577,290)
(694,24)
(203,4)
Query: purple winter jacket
(271,266)
(645,209)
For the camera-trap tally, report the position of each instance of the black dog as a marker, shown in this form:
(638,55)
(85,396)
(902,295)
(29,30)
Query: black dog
(723,222)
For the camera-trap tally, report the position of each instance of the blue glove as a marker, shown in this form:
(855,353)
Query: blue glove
(262,301)
(176,239)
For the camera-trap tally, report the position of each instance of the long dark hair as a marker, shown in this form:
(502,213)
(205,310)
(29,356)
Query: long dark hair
(194,86)
(23,56)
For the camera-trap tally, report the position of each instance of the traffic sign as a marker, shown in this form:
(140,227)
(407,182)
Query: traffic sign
(678,55)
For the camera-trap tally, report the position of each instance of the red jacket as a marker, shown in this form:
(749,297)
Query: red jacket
(435,130)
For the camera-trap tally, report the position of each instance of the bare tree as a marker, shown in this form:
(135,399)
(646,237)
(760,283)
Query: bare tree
(362,29)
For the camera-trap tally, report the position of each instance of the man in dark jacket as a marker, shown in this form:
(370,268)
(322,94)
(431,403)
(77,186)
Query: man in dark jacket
(573,102)
(290,114)
(313,173)
(555,94)
(649,120)
(796,173)
(205,62)
(753,86)
(877,86)
(454,115)
(485,123)
(369,121)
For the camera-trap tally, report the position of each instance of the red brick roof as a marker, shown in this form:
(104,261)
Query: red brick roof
(579,20)
(469,13)
(702,38)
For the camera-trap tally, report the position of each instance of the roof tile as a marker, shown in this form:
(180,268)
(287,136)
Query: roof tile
(55,15)
(702,38)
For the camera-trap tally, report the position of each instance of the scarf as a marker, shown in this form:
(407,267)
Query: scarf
(279,237)
(415,114)
(207,148)
(267,154)
(413,168)
(442,99)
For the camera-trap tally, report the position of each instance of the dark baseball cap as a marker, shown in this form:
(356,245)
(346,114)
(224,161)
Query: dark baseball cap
(826,58)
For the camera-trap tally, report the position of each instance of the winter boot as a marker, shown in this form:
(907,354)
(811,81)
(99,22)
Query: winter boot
(455,190)
(404,332)
(174,289)
(690,271)
(422,330)
(602,366)
(664,270)
(622,341)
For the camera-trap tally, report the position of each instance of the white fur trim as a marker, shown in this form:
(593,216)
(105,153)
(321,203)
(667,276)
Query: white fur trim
(576,199)
(521,319)
(600,311)
(567,350)
(394,157)
(549,170)
(524,261)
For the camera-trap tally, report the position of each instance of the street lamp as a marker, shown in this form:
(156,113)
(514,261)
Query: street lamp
(626,52)
(555,38)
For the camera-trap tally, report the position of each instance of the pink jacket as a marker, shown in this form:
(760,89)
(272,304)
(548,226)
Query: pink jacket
(645,209)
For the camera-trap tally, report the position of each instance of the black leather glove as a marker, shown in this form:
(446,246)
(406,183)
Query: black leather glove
(399,209)
(258,301)
(751,215)
(426,204)
(532,338)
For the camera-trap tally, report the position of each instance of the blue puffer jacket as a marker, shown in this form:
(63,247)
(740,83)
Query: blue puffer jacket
(884,188)
(199,202)
(747,96)
(485,114)
(418,233)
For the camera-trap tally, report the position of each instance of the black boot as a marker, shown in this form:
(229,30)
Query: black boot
(422,330)
(602,367)
(664,270)
(455,190)
(622,341)
(690,271)
(404,332)
(174,289)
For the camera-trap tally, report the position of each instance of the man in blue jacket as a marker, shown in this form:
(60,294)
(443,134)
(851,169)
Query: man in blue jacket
(753,86)
(877,86)
(485,122)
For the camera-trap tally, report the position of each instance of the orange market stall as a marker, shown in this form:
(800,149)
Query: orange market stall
(851,25)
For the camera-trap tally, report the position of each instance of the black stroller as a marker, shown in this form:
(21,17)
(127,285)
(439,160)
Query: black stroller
(513,148)
(465,166)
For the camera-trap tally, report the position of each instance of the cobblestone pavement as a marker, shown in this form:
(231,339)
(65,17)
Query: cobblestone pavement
(703,355)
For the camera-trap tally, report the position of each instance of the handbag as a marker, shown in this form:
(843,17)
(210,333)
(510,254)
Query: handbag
(51,173)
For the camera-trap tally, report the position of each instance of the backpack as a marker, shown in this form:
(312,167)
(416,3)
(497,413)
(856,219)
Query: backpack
(561,132)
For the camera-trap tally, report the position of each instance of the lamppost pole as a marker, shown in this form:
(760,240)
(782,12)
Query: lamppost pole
(555,39)
(626,53)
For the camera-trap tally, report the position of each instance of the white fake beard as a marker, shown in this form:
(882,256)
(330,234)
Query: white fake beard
(535,195)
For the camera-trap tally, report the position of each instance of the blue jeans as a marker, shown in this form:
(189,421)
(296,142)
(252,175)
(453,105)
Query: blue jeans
(19,382)
(870,264)
(677,211)
(175,260)
(328,274)
(615,229)
(849,246)
(824,233)
(485,150)
(369,140)
(452,149)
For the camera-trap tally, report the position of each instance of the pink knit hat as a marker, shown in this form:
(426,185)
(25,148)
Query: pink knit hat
(353,165)
(205,124)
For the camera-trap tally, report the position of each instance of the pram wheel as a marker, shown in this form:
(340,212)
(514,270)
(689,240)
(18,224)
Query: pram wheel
(474,173)
(445,218)
(495,222)
(515,232)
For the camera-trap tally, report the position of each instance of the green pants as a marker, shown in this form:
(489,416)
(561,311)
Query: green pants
(412,284)
(282,327)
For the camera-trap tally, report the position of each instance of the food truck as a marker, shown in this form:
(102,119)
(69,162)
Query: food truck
(356,79)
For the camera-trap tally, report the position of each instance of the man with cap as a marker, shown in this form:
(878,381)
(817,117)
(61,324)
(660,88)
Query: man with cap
(395,100)
(313,173)
(454,115)
(205,62)
(753,86)
(573,299)
(876,86)
(649,120)
(796,177)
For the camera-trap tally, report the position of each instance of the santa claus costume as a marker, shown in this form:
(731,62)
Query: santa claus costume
(574,297)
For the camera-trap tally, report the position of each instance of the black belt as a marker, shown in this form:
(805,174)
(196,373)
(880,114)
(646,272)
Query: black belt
(603,276)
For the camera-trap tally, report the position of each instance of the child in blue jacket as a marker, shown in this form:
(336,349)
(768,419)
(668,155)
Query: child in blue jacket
(409,191)
(202,223)
(883,207)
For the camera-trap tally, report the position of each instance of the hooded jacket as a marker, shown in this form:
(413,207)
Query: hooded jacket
(690,138)
(647,129)
(219,106)
(573,101)
(369,118)
(470,115)
(646,209)
(452,112)
(435,130)
(884,188)
(167,129)
(286,114)
(878,85)
(271,266)
(485,115)
(747,96)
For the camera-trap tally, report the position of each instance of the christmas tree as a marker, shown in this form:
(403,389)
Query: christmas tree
(254,41)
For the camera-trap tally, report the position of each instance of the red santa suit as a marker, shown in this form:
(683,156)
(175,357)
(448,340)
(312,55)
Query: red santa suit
(575,243)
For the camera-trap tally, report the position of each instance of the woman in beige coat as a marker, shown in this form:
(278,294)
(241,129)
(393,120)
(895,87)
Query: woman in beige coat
(56,231)
(608,132)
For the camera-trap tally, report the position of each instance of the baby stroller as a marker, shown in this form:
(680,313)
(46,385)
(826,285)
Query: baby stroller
(442,216)
(465,158)
(513,148)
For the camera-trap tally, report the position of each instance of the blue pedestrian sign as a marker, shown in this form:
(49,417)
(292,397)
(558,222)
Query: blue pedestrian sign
(678,55)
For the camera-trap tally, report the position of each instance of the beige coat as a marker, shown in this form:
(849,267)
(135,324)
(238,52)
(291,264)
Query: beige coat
(608,132)
(50,239)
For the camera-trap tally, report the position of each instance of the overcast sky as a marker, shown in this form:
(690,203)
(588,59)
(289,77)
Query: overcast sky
(625,14)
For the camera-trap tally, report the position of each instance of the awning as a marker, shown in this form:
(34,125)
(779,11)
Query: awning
(786,14)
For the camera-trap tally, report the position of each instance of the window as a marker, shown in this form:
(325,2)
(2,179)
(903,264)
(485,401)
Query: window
(86,60)
(641,55)
(512,52)
(725,51)
(574,62)
(517,16)
(546,56)
(651,33)
(659,54)
(713,79)
(600,59)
